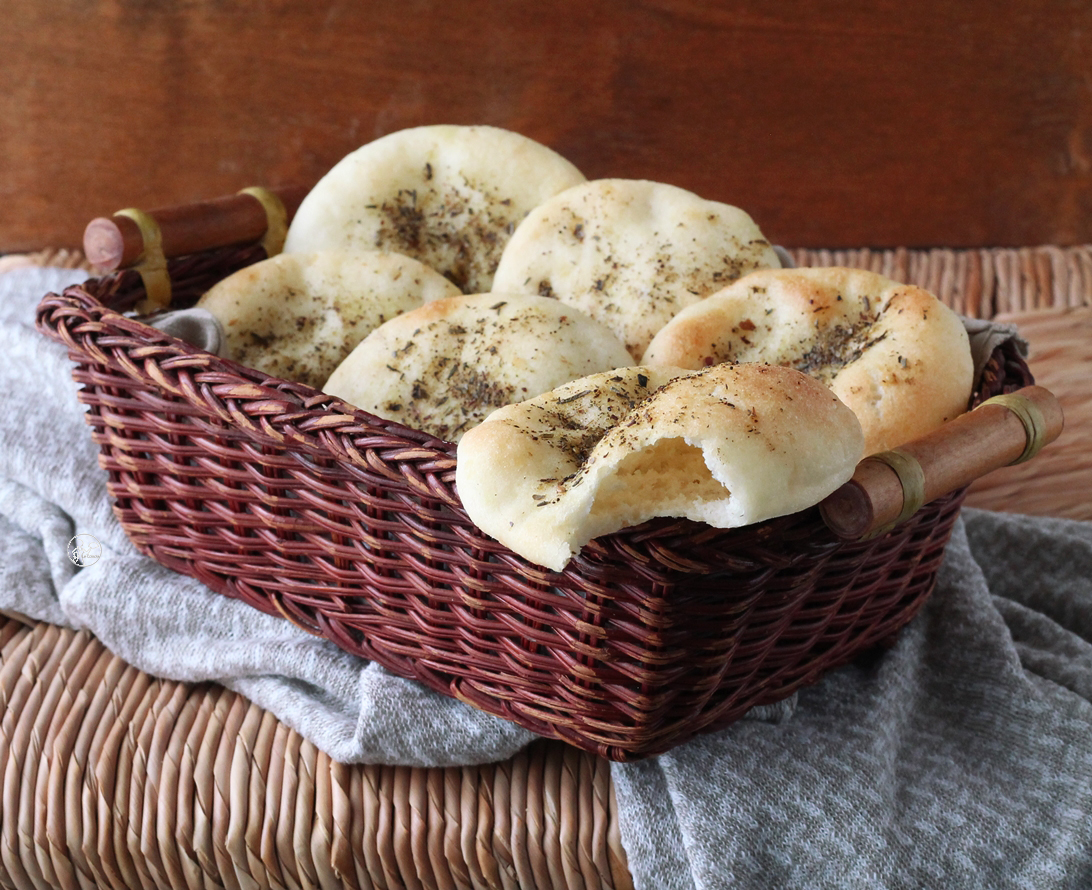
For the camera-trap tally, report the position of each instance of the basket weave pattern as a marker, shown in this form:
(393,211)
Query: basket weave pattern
(350,526)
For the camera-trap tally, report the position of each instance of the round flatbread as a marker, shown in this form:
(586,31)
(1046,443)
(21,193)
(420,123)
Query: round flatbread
(893,352)
(297,316)
(631,253)
(446,195)
(442,368)
(729,446)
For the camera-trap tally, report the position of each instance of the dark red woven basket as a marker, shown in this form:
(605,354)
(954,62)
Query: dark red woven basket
(350,526)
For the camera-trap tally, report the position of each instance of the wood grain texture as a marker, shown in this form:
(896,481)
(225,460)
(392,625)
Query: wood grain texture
(875,124)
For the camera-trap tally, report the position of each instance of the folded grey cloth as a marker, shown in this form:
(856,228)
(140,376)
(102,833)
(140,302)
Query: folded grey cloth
(195,326)
(986,336)
(962,757)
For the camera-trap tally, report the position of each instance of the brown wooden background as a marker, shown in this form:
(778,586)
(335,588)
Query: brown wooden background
(864,124)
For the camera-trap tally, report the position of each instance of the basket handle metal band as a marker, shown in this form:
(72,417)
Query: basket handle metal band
(911,478)
(151,264)
(276,218)
(1030,416)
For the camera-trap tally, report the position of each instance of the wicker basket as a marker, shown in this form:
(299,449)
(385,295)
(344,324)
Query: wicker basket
(350,527)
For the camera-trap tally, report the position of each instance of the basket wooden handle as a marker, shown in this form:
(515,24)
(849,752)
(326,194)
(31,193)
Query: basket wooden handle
(118,242)
(889,488)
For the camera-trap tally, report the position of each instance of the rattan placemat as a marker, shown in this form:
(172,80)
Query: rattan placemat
(979,283)
(113,778)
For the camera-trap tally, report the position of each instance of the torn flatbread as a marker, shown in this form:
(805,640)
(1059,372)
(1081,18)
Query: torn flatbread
(728,446)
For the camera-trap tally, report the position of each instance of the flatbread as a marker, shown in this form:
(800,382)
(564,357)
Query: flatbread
(442,368)
(297,316)
(631,253)
(729,446)
(446,195)
(893,352)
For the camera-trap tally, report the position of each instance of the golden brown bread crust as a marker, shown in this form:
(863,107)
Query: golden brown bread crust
(893,352)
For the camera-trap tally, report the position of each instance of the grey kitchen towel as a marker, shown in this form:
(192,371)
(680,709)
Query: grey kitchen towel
(961,757)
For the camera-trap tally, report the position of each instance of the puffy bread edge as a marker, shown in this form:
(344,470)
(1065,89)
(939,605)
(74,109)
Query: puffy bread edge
(914,370)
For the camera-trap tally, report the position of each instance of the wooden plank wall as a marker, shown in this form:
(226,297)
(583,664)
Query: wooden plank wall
(863,124)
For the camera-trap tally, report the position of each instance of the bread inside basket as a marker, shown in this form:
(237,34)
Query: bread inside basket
(350,526)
